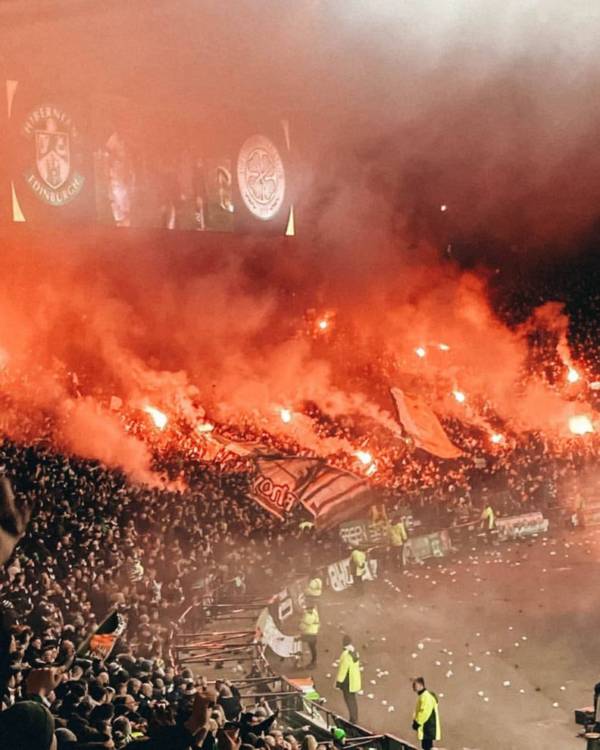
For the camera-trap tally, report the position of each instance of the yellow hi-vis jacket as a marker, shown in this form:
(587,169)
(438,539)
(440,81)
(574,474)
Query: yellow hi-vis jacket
(309,624)
(349,672)
(314,588)
(398,534)
(359,562)
(427,716)
(489,516)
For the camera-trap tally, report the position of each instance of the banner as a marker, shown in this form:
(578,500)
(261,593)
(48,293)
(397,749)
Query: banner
(330,495)
(288,604)
(365,533)
(527,524)
(422,425)
(355,533)
(269,634)
(419,548)
(362,532)
(289,601)
(339,574)
(219,447)
(103,640)
(276,481)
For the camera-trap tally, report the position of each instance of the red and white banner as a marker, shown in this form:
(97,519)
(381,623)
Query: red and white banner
(422,425)
(330,495)
(276,480)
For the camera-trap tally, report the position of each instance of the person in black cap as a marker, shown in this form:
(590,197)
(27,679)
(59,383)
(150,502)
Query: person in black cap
(426,719)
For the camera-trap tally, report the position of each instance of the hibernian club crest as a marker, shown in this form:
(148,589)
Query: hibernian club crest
(55,178)
(261,177)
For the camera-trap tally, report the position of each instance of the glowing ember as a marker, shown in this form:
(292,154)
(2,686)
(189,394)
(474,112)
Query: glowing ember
(580,425)
(497,438)
(159,418)
(573,376)
(459,396)
(205,427)
(420,351)
(444,347)
(443,207)
(364,457)
(323,324)
(286,415)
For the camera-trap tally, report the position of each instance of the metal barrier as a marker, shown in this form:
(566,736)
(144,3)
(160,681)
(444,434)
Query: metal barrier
(321,719)
(221,646)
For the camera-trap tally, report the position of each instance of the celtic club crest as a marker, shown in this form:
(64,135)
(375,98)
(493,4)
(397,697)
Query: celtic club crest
(261,177)
(54,180)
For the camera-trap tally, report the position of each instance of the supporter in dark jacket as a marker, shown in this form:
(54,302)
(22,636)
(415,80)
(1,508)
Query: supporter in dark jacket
(231,703)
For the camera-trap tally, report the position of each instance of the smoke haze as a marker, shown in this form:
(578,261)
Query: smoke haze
(396,109)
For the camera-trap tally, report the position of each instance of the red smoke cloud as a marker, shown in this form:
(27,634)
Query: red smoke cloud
(209,335)
(395,111)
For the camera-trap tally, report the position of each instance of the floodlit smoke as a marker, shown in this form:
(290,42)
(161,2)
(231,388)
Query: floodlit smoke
(89,431)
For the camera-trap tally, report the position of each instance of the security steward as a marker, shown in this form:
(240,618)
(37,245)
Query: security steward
(426,721)
(398,536)
(358,564)
(309,630)
(348,678)
(314,589)
(488,520)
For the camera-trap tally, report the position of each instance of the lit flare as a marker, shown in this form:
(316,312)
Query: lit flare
(364,457)
(580,425)
(159,418)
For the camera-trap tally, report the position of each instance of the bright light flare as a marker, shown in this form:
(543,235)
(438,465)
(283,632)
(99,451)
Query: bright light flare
(159,418)
(420,351)
(443,208)
(443,347)
(572,375)
(364,457)
(459,396)
(580,425)
(286,415)
(205,427)
(497,438)
(324,322)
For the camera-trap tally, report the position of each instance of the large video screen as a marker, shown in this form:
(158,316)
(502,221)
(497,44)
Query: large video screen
(111,161)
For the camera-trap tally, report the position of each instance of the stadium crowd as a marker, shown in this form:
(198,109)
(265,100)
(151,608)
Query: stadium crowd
(98,542)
